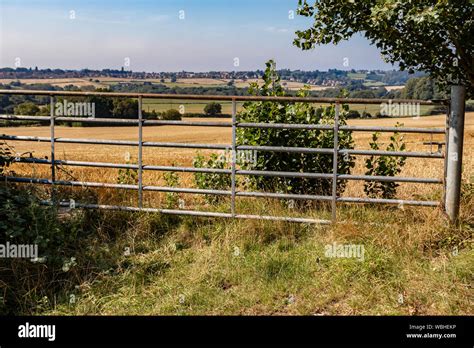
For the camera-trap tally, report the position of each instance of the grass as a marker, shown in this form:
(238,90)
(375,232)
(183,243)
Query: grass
(200,266)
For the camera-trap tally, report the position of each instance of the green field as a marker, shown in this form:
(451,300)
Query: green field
(189,106)
(198,106)
(356,76)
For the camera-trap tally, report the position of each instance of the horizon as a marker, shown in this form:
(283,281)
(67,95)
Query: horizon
(169,36)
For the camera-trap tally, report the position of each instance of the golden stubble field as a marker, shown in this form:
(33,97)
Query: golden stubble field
(104,82)
(430,168)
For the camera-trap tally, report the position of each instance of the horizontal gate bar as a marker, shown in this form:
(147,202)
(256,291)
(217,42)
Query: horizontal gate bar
(216,192)
(223,147)
(187,145)
(284,174)
(113,120)
(114,142)
(391,153)
(388,201)
(187,169)
(122,166)
(68,119)
(223,97)
(188,123)
(390,178)
(226,124)
(283,195)
(120,186)
(344,128)
(69,140)
(342,151)
(285,125)
(77,163)
(224,171)
(393,129)
(191,213)
(285,149)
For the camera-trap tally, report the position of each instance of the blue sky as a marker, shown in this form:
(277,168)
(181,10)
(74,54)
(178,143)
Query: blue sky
(151,36)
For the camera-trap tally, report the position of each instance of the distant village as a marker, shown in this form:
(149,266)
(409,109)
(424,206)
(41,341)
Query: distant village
(330,78)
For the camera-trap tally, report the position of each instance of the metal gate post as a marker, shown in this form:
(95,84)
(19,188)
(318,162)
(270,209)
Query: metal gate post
(53,163)
(140,153)
(446,151)
(455,152)
(234,156)
(334,162)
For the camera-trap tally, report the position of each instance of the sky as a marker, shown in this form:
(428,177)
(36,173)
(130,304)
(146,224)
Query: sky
(167,35)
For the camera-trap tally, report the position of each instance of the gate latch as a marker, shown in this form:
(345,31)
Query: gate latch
(438,143)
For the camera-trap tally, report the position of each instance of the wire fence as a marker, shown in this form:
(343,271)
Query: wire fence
(233,193)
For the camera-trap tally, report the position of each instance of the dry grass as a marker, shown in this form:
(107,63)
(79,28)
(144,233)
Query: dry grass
(216,267)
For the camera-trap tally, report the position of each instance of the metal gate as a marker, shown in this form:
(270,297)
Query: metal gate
(233,147)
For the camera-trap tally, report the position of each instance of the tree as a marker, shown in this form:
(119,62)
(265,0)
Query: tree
(27,108)
(103,105)
(427,35)
(213,109)
(125,108)
(421,88)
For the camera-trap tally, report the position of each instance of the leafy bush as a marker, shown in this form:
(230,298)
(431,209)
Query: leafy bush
(265,111)
(171,115)
(384,166)
(213,109)
(213,181)
(24,221)
(127,176)
(172,198)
